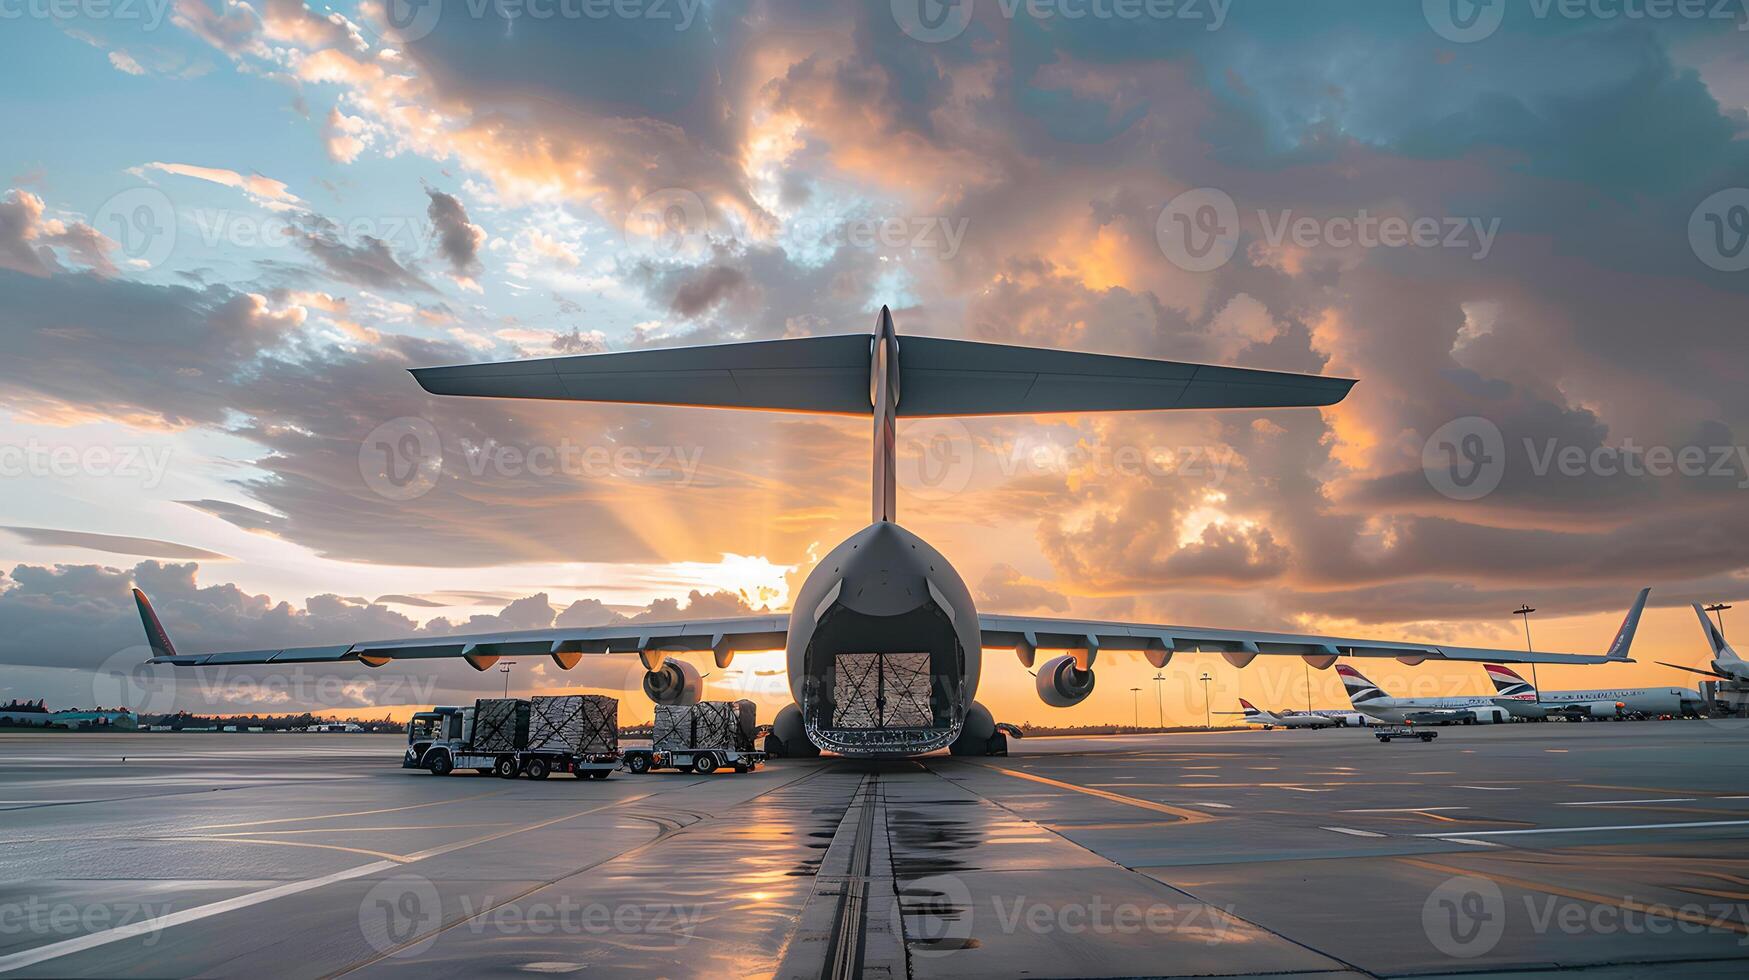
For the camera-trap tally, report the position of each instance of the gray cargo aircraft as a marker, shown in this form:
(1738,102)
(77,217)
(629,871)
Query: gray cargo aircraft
(884,642)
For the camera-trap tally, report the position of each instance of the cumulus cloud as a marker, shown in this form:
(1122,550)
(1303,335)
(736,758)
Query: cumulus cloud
(37,246)
(458,241)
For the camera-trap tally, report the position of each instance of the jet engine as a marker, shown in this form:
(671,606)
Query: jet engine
(1062,684)
(675,682)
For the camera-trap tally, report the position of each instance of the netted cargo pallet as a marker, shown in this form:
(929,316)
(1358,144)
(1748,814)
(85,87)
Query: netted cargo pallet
(708,725)
(579,724)
(500,724)
(881,690)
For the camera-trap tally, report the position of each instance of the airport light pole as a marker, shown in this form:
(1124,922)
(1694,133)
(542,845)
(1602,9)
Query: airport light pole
(1525,611)
(1159,699)
(1718,611)
(505,670)
(1136,705)
(1207,720)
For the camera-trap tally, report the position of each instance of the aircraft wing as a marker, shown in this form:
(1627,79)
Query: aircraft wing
(567,646)
(1085,638)
(1703,673)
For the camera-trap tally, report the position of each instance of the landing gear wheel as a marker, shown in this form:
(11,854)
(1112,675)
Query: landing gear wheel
(505,768)
(439,764)
(704,763)
(538,769)
(639,764)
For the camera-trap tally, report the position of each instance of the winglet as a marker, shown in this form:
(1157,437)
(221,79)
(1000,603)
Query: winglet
(156,638)
(1624,637)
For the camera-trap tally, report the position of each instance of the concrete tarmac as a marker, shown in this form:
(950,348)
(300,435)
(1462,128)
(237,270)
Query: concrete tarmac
(1613,850)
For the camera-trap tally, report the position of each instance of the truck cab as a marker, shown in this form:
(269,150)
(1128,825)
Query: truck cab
(442,726)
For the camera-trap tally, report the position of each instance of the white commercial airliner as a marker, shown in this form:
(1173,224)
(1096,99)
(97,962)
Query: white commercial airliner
(1370,700)
(884,643)
(1521,699)
(1283,719)
(1726,665)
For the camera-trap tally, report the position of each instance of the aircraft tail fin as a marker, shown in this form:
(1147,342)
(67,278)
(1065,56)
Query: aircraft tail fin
(1508,683)
(1624,637)
(1360,690)
(156,637)
(1715,640)
(1251,711)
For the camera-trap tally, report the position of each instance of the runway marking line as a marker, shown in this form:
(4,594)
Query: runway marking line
(1586,830)
(1671,799)
(1473,843)
(354,813)
(1406,809)
(1186,816)
(79,944)
(1626,904)
(1350,831)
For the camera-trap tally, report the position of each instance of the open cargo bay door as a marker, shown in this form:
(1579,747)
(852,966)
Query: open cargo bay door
(873,691)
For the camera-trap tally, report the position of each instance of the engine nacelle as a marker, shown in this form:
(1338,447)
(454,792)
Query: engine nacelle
(1603,709)
(675,682)
(1061,684)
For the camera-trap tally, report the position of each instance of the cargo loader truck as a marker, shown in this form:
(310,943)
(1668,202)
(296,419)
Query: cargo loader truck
(536,737)
(700,738)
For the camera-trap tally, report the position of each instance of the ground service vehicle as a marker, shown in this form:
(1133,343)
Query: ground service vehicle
(1406,730)
(574,733)
(701,737)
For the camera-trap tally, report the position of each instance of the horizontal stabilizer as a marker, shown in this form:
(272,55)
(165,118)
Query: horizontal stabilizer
(937,377)
(806,374)
(962,377)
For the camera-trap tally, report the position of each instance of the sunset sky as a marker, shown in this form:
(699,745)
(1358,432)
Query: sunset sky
(227,229)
